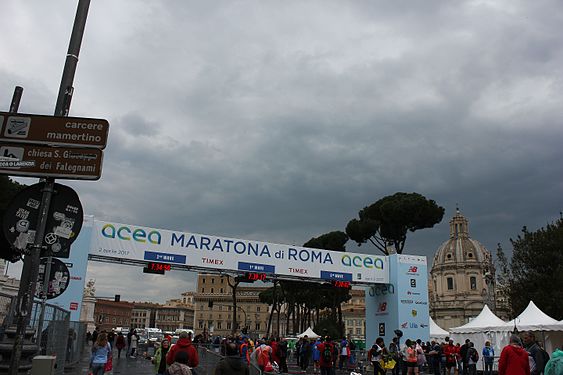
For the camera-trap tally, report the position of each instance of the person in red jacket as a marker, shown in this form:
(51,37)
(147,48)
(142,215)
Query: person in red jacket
(450,354)
(514,359)
(326,360)
(275,350)
(184,344)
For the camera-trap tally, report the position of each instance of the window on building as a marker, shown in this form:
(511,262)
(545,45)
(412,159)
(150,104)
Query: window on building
(203,290)
(221,290)
(257,308)
(228,325)
(222,280)
(114,320)
(473,282)
(219,325)
(258,326)
(203,280)
(229,308)
(358,331)
(211,290)
(450,283)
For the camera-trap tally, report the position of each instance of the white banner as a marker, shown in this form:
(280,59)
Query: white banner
(124,241)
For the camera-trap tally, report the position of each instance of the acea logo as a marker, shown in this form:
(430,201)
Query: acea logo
(127,234)
(362,262)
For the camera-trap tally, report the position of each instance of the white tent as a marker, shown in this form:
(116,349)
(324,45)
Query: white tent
(481,329)
(485,321)
(533,319)
(436,332)
(309,333)
(547,330)
(488,327)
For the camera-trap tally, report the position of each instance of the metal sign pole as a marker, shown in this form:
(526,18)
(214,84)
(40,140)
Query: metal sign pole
(31,262)
(61,109)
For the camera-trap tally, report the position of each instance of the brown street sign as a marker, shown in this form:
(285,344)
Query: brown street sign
(44,161)
(54,131)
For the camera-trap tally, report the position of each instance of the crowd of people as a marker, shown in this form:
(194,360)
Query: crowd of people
(522,356)
(324,355)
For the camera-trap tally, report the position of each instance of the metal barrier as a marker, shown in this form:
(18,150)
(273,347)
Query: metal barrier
(208,360)
(76,343)
(209,357)
(7,310)
(59,337)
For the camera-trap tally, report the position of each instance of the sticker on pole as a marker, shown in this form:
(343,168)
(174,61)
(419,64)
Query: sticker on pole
(64,220)
(58,279)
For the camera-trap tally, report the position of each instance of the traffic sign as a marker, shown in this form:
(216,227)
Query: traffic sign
(63,223)
(44,161)
(59,278)
(53,130)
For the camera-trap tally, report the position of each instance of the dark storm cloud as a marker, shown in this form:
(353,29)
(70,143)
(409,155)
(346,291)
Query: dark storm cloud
(279,121)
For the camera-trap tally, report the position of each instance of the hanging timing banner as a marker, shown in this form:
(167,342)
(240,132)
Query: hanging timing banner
(123,241)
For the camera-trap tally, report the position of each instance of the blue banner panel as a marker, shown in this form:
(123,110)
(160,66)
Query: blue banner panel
(402,304)
(165,257)
(77,263)
(329,275)
(256,267)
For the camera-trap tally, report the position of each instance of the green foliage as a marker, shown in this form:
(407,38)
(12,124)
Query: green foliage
(388,220)
(330,241)
(537,270)
(8,189)
(308,296)
(328,327)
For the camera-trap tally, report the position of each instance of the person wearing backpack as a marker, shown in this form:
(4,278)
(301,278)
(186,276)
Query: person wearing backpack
(375,355)
(305,353)
(536,358)
(326,360)
(472,359)
(489,358)
(394,353)
(434,356)
(232,363)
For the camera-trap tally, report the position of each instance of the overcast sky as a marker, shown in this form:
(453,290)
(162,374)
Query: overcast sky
(279,120)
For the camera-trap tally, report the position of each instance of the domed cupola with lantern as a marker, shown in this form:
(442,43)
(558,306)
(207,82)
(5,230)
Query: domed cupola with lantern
(461,278)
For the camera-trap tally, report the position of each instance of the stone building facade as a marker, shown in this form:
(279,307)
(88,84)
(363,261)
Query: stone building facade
(110,314)
(462,277)
(213,302)
(143,314)
(354,315)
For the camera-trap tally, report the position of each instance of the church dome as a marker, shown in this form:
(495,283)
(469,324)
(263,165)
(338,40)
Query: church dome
(461,277)
(460,248)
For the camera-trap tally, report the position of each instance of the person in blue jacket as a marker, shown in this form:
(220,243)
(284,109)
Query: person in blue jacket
(316,354)
(100,354)
(488,358)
